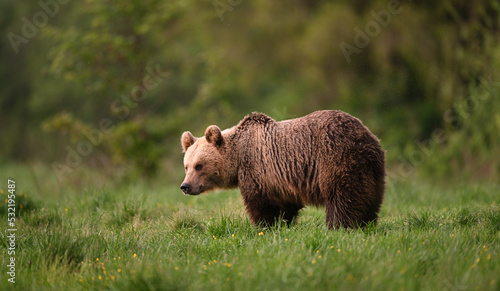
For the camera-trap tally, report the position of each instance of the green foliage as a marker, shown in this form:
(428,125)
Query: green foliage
(67,124)
(137,142)
(470,140)
(116,44)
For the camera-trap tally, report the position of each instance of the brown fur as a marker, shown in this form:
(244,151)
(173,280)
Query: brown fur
(325,158)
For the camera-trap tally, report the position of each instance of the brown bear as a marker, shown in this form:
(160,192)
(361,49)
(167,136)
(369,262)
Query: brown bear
(325,158)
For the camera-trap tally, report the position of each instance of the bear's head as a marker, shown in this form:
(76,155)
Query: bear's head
(204,161)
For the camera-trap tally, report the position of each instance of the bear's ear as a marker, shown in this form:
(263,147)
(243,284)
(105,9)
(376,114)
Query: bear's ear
(214,135)
(187,140)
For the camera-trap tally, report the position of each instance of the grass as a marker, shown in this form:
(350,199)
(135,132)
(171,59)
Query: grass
(151,237)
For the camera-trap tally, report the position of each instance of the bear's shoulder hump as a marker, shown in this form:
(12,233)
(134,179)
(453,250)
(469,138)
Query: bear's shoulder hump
(256,118)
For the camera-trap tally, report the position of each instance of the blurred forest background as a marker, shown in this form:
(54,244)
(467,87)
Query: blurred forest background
(110,85)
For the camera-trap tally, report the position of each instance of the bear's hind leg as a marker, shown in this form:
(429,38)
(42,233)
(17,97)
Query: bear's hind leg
(343,212)
(331,222)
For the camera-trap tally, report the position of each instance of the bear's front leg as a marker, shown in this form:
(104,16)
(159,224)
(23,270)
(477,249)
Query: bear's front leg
(261,210)
(264,206)
(290,212)
(259,204)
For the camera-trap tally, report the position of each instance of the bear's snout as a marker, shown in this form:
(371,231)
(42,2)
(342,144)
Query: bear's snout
(186,188)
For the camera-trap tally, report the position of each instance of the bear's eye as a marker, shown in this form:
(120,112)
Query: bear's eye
(198,167)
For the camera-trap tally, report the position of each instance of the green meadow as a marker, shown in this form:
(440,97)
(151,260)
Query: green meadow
(148,236)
